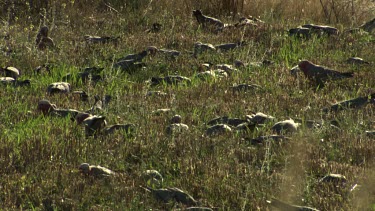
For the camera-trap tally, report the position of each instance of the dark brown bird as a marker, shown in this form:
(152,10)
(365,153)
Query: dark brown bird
(320,74)
(42,40)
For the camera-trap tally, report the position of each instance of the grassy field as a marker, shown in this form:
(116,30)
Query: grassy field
(40,154)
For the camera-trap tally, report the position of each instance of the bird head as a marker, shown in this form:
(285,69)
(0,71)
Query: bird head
(304,64)
(45,106)
(84,168)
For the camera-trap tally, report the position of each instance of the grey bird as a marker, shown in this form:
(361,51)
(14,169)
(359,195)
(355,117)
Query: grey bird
(198,209)
(218,130)
(10,72)
(129,65)
(203,47)
(155,28)
(135,57)
(226,120)
(286,126)
(356,61)
(229,46)
(370,134)
(14,82)
(337,179)
(170,80)
(176,126)
(260,118)
(245,87)
(101,40)
(58,87)
(329,30)
(368,26)
(94,125)
(352,104)
(282,206)
(172,194)
(250,21)
(261,139)
(125,127)
(170,54)
(95,171)
(207,21)
(153,177)
(300,32)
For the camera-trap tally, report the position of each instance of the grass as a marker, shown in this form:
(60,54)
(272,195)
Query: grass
(40,155)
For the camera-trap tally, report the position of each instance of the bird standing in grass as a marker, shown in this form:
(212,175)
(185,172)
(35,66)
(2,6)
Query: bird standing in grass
(42,40)
(95,171)
(206,20)
(320,74)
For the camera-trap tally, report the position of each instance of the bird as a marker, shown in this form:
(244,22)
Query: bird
(202,47)
(47,108)
(137,57)
(129,65)
(155,28)
(300,32)
(261,139)
(153,177)
(320,74)
(172,194)
(170,80)
(328,30)
(260,118)
(251,21)
(80,117)
(11,72)
(101,40)
(168,53)
(218,129)
(353,103)
(288,207)
(356,60)
(95,171)
(368,26)
(234,122)
(42,40)
(334,178)
(229,46)
(58,87)
(94,125)
(176,126)
(14,82)
(206,21)
(126,127)
(286,126)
